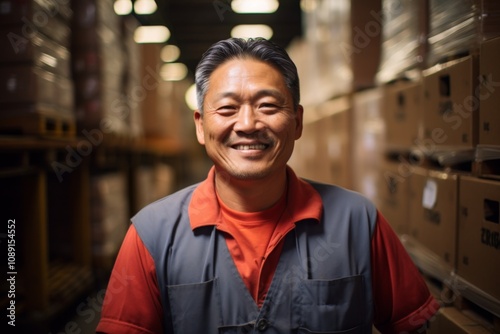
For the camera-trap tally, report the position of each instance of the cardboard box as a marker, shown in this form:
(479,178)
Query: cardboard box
(451,320)
(65,94)
(133,80)
(323,152)
(334,132)
(14,10)
(47,17)
(451,104)
(27,84)
(479,234)
(367,138)
(109,214)
(402,113)
(393,194)
(489,96)
(35,49)
(433,212)
(364,53)
(304,159)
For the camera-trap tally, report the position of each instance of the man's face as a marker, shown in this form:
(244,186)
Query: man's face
(249,124)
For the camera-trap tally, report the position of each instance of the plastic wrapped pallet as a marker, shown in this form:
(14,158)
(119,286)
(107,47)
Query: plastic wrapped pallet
(47,17)
(109,216)
(368,140)
(323,152)
(133,85)
(98,66)
(403,38)
(326,68)
(457,28)
(37,88)
(152,183)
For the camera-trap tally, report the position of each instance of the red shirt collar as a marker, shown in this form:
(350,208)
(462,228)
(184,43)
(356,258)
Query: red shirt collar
(303,202)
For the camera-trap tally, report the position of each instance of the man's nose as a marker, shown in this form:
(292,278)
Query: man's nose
(247,120)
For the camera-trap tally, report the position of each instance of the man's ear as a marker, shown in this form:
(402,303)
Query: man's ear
(198,122)
(299,119)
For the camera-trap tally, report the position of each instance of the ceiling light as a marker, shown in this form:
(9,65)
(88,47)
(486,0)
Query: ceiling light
(190,97)
(254,6)
(173,71)
(123,7)
(252,30)
(170,53)
(145,7)
(151,34)
(308,6)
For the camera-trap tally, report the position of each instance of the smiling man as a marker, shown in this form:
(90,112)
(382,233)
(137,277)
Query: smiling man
(248,123)
(254,248)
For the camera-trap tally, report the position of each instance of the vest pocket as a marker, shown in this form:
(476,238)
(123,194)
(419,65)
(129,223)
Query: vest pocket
(332,306)
(194,307)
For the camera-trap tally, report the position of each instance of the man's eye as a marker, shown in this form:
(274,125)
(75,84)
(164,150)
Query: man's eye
(227,109)
(268,107)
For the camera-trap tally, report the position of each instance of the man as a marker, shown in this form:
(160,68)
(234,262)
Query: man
(253,248)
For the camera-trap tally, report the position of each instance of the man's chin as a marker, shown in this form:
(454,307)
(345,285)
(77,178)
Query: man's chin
(246,174)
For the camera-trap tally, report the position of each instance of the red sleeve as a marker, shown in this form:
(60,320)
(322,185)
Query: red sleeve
(402,301)
(132,302)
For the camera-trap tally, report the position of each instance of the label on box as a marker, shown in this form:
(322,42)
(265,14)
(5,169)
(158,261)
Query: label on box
(429,195)
(12,84)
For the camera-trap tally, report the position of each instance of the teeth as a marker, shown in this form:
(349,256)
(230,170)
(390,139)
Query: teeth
(251,147)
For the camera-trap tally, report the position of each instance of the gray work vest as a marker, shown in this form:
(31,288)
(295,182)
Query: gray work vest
(322,283)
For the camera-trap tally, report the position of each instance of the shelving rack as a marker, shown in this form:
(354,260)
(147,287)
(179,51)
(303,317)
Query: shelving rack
(54,262)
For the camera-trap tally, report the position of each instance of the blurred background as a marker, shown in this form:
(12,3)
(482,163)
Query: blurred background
(401,103)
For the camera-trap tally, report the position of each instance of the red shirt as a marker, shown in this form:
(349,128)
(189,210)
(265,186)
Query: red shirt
(392,313)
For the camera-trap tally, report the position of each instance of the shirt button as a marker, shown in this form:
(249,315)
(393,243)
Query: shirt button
(262,325)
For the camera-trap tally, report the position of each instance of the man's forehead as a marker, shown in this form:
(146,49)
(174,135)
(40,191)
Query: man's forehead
(245,69)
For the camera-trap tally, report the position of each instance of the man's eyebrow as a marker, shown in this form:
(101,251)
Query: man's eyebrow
(261,93)
(222,95)
(270,92)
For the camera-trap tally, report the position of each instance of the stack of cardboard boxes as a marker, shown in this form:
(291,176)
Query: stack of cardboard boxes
(36,88)
(98,66)
(437,185)
(109,217)
(321,153)
(332,63)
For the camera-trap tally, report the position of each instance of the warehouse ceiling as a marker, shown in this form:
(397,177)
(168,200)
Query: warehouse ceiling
(197,24)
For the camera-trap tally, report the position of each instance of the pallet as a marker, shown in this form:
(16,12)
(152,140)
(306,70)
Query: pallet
(483,161)
(41,124)
(450,289)
(489,169)
(452,159)
(487,164)
(67,280)
(476,305)
(68,283)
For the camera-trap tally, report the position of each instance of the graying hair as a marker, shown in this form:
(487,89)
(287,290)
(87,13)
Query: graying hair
(255,48)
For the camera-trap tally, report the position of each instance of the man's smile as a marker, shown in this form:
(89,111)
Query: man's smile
(247,147)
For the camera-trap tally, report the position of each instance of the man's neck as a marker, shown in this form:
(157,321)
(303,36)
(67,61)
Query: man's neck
(251,195)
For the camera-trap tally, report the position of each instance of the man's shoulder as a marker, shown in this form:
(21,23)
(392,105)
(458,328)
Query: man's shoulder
(166,206)
(338,194)
(338,200)
(344,205)
(177,196)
